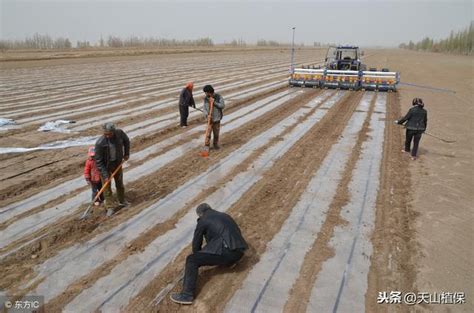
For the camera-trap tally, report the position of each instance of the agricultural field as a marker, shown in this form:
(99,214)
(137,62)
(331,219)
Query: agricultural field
(333,212)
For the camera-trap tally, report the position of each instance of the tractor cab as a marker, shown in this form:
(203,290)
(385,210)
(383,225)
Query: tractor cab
(343,58)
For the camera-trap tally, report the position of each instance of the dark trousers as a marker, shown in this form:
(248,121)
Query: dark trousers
(196,260)
(184,113)
(96,186)
(118,178)
(414,135)
(215,130)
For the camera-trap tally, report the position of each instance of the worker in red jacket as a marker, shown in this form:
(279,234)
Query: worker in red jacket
(92,176)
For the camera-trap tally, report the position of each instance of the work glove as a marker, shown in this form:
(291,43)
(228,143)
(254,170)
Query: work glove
(395,122)
(88,181)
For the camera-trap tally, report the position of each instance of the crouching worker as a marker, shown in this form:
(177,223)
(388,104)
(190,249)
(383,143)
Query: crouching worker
(111,149)
(224,246)
(92,176)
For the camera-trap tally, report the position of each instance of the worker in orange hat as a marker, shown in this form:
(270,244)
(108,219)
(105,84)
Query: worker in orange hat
(186,100)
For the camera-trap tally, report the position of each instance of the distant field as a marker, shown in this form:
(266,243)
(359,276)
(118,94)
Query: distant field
(23,55)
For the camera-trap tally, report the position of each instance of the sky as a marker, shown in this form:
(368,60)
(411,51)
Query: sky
(363,23)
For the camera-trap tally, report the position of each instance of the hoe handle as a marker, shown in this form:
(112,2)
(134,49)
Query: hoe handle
(107,182)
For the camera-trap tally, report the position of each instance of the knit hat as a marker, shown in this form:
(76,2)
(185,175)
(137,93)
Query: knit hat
(91,151)
(108,127)
(202,208)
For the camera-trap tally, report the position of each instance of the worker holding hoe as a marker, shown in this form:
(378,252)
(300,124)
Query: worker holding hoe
(186,100)
(216,114)
(111,150)
(416,121)
(224,246)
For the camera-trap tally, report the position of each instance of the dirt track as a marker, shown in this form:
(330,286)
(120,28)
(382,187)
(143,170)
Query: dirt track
(433,242)
(276,144)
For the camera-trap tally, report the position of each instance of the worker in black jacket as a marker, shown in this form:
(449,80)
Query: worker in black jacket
(224,246)
(110,150)
(186,100)
(416,121)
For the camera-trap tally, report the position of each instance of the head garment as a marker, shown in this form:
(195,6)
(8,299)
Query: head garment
(190,86)
(202,208)
(91,151)
(108,127)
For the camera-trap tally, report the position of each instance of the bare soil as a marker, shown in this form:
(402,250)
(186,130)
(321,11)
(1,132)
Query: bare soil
(423,236)
(436,224)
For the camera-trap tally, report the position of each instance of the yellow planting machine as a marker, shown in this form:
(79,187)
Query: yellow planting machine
(344,70)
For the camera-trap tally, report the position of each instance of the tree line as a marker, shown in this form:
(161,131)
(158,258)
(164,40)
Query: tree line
(460,42)
(46,42)
(37,41)
(135,41)
(267,43)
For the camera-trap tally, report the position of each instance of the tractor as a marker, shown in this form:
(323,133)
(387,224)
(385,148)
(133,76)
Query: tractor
(343,69)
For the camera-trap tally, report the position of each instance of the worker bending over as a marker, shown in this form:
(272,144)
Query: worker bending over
(186,100)
(224,246)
